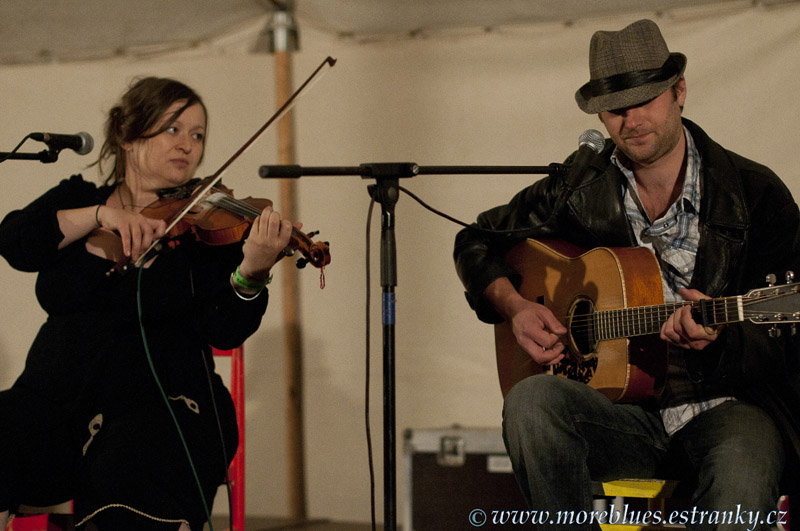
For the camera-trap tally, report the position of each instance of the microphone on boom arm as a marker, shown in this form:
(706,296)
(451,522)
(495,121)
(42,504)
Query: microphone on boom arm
(81,143)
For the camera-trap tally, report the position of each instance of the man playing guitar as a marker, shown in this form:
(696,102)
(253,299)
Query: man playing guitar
(717,224)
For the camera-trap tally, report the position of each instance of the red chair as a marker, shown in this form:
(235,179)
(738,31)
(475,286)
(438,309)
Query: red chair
(236,470)
(59,518)
(55,518)
(784,522)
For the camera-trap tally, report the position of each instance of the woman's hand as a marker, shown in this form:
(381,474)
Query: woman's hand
(269,236)
(136,231)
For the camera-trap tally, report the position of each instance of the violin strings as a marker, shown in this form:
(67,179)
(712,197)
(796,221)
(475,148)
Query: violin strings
(234,205)
(243,209)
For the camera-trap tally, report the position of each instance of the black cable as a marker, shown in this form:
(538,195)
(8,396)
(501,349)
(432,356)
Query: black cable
(8,155)
(490,232)
(445,216)
(166,399)
(473,227)
(366,390)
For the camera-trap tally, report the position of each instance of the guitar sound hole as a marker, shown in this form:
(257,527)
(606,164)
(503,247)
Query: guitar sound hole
(581,329)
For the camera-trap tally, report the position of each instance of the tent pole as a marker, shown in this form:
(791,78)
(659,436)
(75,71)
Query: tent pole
(292,344)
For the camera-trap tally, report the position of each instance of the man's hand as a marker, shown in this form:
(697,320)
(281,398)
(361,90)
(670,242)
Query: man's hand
(536,329)
(682,330)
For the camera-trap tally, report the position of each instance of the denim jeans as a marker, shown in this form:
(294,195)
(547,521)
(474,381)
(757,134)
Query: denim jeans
(561,435)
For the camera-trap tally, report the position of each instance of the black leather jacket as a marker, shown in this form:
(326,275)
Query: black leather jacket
(749,227)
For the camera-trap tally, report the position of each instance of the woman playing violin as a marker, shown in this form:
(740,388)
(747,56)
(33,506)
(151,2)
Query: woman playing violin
(88,418)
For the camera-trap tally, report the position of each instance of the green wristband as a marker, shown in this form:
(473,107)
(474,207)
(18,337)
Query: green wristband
(250,285)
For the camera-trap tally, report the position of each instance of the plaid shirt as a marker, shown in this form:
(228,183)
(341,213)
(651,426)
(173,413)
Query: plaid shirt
(673,238)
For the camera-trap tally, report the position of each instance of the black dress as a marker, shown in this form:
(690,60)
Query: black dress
(87,419)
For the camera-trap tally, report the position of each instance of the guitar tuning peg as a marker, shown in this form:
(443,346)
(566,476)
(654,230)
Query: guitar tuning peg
(774,331)
(789,277)
(770,279)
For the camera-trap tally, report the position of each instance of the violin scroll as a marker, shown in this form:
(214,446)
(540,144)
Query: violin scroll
(314,253)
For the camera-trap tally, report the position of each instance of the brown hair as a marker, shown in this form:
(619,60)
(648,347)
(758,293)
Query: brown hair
(137,113)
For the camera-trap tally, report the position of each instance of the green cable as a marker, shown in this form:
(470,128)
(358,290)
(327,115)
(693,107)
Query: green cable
(166,399)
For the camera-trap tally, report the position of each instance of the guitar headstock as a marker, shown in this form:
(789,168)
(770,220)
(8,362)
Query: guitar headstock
(775,304)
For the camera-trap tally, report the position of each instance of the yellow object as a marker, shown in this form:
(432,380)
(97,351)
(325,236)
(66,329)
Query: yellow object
(655,491)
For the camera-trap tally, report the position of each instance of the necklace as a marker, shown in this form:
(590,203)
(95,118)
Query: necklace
(121,202)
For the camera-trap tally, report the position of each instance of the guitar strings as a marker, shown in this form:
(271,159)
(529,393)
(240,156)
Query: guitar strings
(667,309)
(635,320)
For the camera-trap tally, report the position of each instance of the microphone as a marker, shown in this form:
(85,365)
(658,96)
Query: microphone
(81,143)
(590,144)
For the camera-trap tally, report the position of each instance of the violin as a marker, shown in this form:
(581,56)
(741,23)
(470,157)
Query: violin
(214,216)
(220,219)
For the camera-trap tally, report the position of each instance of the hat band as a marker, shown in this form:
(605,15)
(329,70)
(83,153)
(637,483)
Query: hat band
(637,78)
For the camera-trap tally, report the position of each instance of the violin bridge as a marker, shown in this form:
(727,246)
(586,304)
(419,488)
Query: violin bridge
(217,199)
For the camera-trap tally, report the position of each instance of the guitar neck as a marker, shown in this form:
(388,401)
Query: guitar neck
(644,320)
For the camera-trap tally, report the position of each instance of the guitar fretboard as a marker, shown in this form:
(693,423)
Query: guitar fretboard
(643,320)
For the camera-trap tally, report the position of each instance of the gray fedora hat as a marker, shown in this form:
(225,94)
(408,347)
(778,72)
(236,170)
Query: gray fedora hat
(628,67)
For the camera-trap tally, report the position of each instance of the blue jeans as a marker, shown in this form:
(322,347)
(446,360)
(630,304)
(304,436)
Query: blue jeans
(562,434)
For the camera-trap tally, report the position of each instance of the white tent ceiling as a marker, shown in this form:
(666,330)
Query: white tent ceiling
(42,31)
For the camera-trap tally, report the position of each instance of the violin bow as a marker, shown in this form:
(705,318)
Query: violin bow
(315,76)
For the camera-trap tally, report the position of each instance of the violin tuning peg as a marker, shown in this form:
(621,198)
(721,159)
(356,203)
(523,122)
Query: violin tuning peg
(312,233)
(301,263)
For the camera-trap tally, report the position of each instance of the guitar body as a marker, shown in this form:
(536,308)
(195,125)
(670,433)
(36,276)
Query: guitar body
(572,284)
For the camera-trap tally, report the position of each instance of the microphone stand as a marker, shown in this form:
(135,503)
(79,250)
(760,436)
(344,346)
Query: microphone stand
(45,156)
(386,192)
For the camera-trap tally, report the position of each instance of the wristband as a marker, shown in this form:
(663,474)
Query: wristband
(239,294)
(96,216)
(250,285)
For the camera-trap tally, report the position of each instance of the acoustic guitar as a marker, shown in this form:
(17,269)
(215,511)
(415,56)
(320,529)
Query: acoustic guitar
(612,304)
